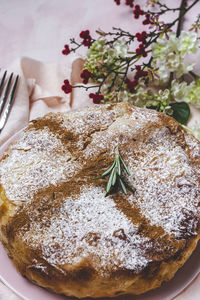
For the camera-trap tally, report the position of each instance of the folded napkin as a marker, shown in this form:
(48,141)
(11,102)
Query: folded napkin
(39,92)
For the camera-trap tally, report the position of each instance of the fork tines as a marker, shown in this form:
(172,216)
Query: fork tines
(7,94)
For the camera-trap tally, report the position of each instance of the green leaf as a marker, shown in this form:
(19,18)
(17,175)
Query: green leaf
(124,165)
(108,170)
(181,112)
(118,165)
(129,187)
(114,172)
(110,180)
(123,186)
(95,178)
(114,178)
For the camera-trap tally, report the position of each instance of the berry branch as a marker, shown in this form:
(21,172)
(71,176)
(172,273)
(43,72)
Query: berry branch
(149,74)
(180,17)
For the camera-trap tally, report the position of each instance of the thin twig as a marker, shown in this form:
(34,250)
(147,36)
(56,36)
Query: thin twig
(181,14)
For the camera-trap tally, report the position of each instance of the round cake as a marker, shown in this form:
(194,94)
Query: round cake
(65,233)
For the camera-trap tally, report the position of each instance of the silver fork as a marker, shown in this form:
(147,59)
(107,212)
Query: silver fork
(7,95)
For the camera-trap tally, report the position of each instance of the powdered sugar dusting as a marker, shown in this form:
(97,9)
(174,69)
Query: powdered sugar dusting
(36,161)
(90,227)
(194,147)
(167,188)
(120,130)
(143,116)
(87,121)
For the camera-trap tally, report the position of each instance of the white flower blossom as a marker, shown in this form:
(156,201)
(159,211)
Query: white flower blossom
(162,73)
(164,46)
(180,90)
(184,68)
(183,92)
(170,53)
(124,95)
(103,54)
(173,61)
(172,41)
(120,48)
(151,3)
(159,50)
(139,97)
(164,95)
(188,42)
(194,95)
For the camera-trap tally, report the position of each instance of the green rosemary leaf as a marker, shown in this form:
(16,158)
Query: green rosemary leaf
(95,178)
(105,173)
(108,170)
(124,165)
(118,165)
(114,172)
(114,178)
(109,183)
(123,186)
(129,187)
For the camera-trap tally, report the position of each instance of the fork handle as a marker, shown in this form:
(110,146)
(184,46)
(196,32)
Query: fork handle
(7,110)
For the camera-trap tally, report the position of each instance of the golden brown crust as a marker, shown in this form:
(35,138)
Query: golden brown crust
(64,234)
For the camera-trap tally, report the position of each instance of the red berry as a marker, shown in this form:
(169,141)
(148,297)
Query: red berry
(87,40)
(129,3)
(66,87)
(138,12)
(141,50)
(86,76)
(140,73)
(91,95)
(138,67)
(117,2)
(131,84)
(141,37)
(66,50)
(96,98)
(85,34)
(147,20)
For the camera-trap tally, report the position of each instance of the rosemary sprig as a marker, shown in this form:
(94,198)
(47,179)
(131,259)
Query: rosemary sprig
(115,178)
